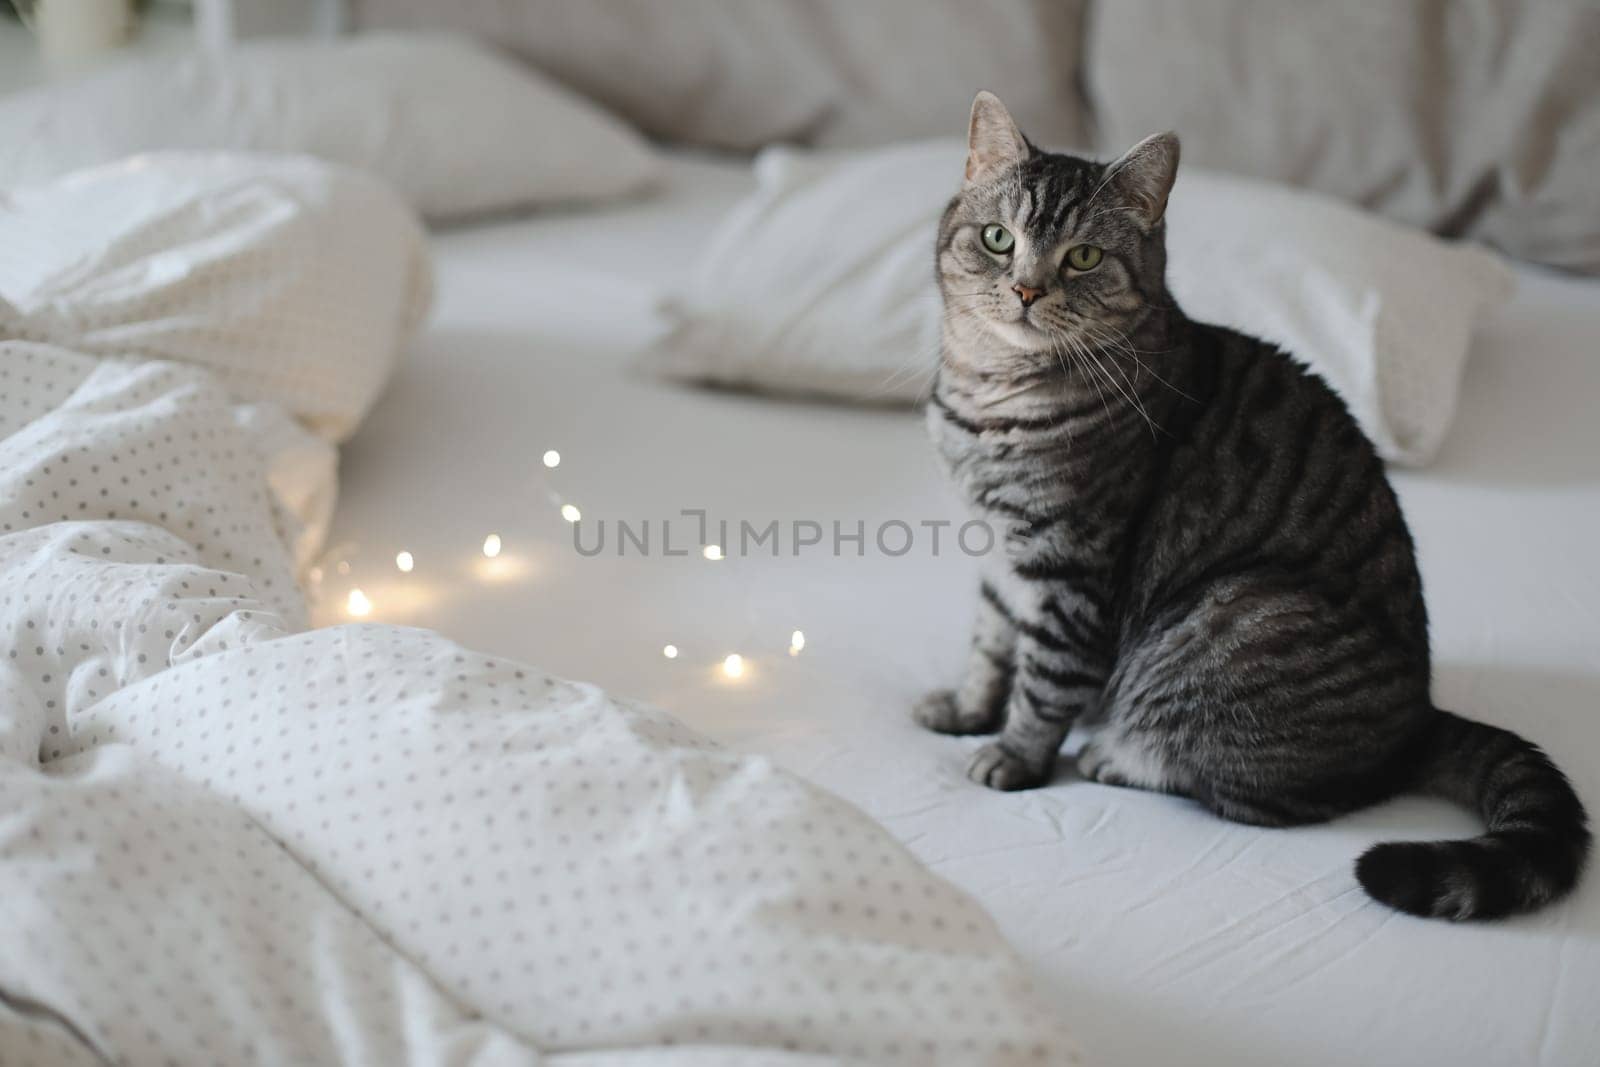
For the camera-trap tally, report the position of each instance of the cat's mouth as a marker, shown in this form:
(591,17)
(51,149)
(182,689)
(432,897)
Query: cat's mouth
(1020,332)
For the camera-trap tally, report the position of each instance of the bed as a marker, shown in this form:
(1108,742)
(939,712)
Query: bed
(1161,934)
(226,837)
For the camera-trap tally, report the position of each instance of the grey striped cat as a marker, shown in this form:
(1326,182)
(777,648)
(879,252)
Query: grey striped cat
(1207,564)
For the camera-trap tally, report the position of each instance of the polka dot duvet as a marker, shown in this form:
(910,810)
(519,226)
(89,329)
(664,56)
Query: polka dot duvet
(227,839)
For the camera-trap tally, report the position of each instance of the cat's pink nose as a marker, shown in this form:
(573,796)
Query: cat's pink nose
(1027,294)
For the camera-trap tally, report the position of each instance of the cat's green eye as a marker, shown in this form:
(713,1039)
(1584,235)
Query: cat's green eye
(1084,257)
(998,239)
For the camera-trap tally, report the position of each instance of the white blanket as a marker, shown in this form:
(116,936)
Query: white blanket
(225,839)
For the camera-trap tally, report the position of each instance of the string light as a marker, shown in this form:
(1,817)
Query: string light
(570,513)
(797,641)
(491,546)
(712,552)
(404,562)
(733,666)
(358,604)
(670,651)
(552,459)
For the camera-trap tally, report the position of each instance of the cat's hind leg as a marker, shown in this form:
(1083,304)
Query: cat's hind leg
(1130,762)
(1267,702)
(1127,763)
(1113,758)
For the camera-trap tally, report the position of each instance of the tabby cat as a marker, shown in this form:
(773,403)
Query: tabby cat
(1207,563)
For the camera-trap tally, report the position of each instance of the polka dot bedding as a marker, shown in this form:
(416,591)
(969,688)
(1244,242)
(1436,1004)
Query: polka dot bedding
(227,839)
(294,280)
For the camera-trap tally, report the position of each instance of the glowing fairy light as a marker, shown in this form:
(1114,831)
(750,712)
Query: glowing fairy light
(670,651)
(404,561)
(491,546)
(343,567)
(733,666)
(797,641)
(712,552)
(552,459)
(570,513)
(357,604)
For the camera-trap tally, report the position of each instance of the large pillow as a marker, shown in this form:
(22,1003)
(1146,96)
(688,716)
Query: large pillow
(456,130)
(745,75)
(1478,117)
(821,282)
(295,281)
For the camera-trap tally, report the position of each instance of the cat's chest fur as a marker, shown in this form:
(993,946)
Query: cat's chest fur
(1033,465)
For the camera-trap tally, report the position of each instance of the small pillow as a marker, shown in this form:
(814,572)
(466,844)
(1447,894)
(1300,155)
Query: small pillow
(821,282)
(295,281)
(456,130)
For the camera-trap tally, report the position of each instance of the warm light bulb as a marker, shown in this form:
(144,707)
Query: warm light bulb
(797,641)
(670,651)
(712,552)
(404,561)
(358,604)
(491,546)
(733,666)
(552,458)
(570,513)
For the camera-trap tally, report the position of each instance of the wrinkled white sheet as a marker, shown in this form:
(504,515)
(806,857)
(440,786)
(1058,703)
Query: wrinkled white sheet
(1163,934)
(226,840)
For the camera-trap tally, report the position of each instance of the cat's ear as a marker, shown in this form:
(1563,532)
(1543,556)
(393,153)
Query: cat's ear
(993,140)
(1144,175)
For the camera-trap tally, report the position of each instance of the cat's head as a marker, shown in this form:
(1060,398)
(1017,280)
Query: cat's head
(1040,251)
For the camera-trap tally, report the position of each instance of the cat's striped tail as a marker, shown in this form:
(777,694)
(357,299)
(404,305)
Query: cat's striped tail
(1537,840)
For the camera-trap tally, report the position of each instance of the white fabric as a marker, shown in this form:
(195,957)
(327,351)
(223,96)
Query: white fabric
(296,281)
(1165,935)
(455,129)
(821,282)
(227,841)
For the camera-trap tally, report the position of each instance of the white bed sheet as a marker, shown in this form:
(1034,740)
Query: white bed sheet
(1161,931)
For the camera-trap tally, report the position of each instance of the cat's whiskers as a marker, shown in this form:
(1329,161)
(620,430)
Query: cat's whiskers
(1131,397)
(1134,397)
(1060,338)
(1061,357)
(1132,392)
(1104,332)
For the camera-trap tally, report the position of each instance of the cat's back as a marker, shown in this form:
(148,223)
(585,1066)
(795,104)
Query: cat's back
(1253,385)
(1273,472)
(1256,411)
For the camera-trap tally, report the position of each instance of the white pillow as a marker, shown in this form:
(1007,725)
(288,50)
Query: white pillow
(822,282)
(295,281)
(455,129)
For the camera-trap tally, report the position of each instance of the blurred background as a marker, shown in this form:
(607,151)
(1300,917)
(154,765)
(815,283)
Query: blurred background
(1468,117)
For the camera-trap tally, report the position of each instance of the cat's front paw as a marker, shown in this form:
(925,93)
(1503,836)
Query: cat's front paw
(941,712)
(996,768)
